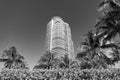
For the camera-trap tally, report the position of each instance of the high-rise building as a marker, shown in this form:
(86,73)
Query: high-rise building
(58,38)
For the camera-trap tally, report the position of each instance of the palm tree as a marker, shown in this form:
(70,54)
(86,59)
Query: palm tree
(47,61)
(13,59)
(108,25)
(90,45)
(65,62)
(92,56)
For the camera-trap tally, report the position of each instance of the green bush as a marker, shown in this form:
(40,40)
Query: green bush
(68,74)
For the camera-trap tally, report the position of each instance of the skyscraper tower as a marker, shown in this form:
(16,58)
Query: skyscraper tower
(58,38)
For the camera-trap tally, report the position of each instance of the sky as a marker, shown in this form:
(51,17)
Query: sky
(23,23)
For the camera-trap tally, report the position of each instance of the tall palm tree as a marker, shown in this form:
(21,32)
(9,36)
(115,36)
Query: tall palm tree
(90,45)
(92,52)
(47,61)
(108,24)
(13,59)
(67,63)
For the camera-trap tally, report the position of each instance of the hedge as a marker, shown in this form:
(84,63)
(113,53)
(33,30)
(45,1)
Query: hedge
(68,74)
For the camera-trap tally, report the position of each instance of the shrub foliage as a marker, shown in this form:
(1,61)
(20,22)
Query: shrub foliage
(67,74)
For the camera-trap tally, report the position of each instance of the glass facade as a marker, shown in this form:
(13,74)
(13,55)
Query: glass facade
(58,38)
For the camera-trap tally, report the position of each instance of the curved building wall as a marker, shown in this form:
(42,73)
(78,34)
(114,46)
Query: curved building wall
(58,38)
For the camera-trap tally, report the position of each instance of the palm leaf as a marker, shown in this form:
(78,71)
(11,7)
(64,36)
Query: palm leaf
(3,60)
(41,66)
(111,34)
(103,4)
(84,43)
(83,53)
(117,2)
(111,45)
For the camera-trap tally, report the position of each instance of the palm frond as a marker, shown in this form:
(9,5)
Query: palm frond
(102,35)
(108,18)
(117,2)
(41,66)
(3,60)
(83,53)
(111,45)
(103,4)
(84,43)
(111,34)
(8,64)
